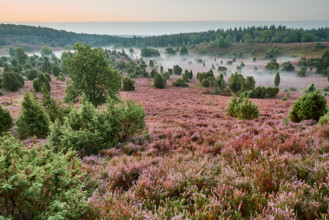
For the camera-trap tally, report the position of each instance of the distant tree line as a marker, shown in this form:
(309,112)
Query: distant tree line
(14,34)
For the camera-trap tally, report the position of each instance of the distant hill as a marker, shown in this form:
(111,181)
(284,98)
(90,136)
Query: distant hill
(11,35)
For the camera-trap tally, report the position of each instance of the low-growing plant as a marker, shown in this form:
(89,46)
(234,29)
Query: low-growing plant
(12,81)
(272,91)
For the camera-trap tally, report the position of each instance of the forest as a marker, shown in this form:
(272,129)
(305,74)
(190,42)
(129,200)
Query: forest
(21,34)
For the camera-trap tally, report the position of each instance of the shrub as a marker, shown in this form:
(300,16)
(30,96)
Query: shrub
(177,70)
(284,98)
(277,80)
(54,110)
(32,74)
(292,89)
(11,81)
(287,66)
(166,75)
(272,65)
(149,52)
(247,110)
(40,81)
(311,106)
(159,81)
(205,83)
(302,72)
(180,83)
(61,77)
(153,73)
(48,77)
(33,120)
(6,120)
(236,82)
(272,91)
(242,109)
(310,89)
(89,131)
(189,74)
(128,84)
(39,184)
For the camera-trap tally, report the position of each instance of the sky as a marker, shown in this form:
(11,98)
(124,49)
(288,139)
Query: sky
(162,10)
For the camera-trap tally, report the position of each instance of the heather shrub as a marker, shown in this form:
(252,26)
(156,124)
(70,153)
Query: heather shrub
(12,81)
(180,83)
(33,120)
(311,106)
(128,84)
(159,81)
(39,184)
(88,130)
(242,109)
(6,120)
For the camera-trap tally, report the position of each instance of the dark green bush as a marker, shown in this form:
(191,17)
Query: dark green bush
(128,84)
(302,72)
(205,83)
(311,106)
(39,184)
(177,70)
(272,65)
(6,120)
(287,66)
(272,91)
(159,81)
(180,83)
(88,130)
(40,81)
(166,75)
(12,81)
(32,74)
(33,120)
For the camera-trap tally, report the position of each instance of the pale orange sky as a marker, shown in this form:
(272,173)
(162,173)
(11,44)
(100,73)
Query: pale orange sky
(161,10)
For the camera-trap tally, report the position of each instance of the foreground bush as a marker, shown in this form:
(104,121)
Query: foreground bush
(6,120)
(128,84)
(311,106)
(88,130)
(242,109)
(33,120)
(39,184)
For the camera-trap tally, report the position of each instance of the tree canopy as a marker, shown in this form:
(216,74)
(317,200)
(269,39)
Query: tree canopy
(91,75)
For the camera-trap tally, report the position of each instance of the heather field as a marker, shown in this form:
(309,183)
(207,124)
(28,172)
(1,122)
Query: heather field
(199,163)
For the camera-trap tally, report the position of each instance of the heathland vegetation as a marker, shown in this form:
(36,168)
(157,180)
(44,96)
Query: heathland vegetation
(165,133)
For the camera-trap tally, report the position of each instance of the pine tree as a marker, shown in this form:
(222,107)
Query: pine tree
(33,120)
(277,79)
